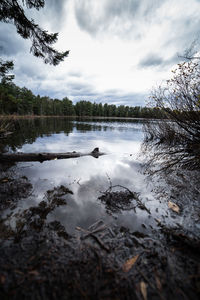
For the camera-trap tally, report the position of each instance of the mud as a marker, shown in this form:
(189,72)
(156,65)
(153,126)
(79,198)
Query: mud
(40,260)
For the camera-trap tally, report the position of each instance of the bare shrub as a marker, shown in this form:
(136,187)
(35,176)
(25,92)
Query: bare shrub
(175,139)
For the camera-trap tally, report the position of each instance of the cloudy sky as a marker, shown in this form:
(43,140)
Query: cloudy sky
(119,49)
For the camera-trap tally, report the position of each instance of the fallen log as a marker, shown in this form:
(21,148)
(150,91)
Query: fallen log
(22,157)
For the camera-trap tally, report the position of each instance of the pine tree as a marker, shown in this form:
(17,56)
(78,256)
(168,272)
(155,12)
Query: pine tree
(5,67)
(12,12)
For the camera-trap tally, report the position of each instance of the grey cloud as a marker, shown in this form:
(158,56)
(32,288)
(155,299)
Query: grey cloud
(113,14)
(51,16)
(10,42)
(175,59)
(183,32)
(130,99)
(129,18)
(76,91)
(56,6)
(84,91)
(151,60)
(112,97)
(75,74)
(86,21)
(30,71)
(78,86)
(54,11)
(60,89)
(126,8)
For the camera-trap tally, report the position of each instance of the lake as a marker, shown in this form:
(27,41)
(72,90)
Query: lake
(87,177)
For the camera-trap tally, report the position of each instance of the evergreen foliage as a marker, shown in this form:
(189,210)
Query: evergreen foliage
(5,67)
(21,101)
(12,12)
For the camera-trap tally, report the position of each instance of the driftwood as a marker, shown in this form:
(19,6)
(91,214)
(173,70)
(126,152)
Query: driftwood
(16,157)
(4,134)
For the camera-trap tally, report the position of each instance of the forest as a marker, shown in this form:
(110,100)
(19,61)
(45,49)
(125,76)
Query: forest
(21,101)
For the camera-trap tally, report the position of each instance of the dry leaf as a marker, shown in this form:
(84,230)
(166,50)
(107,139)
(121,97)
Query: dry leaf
(158,283)
(174,207)
(34,272)
(2,279)
(19,272)
(143,288)
(32,257)
(129,263)
(5,180)
(158,221)
(78,228)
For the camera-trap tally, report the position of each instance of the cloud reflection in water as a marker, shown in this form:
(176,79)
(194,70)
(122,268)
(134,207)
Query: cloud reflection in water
(87,177)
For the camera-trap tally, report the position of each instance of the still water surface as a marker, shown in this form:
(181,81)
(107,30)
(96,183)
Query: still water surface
(86,176)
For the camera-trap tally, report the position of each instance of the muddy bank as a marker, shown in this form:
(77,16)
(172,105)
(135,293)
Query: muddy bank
(41,260)
(111,263)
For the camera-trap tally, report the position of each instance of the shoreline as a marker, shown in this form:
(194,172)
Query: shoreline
(15,117)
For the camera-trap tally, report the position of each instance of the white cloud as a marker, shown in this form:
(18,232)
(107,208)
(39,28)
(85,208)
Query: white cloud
(119,49)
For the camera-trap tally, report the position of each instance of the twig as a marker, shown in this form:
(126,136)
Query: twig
(110,188)
(95,231)
(92,234)
(99,241)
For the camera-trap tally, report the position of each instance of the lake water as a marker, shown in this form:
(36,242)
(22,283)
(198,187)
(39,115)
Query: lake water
(87,177)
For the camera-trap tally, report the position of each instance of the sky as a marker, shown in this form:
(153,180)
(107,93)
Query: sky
(119,49)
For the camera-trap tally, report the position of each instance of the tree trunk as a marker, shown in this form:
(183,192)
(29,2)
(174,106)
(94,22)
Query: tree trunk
(16,157)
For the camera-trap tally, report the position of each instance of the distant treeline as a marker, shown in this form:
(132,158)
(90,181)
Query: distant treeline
(21,101)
